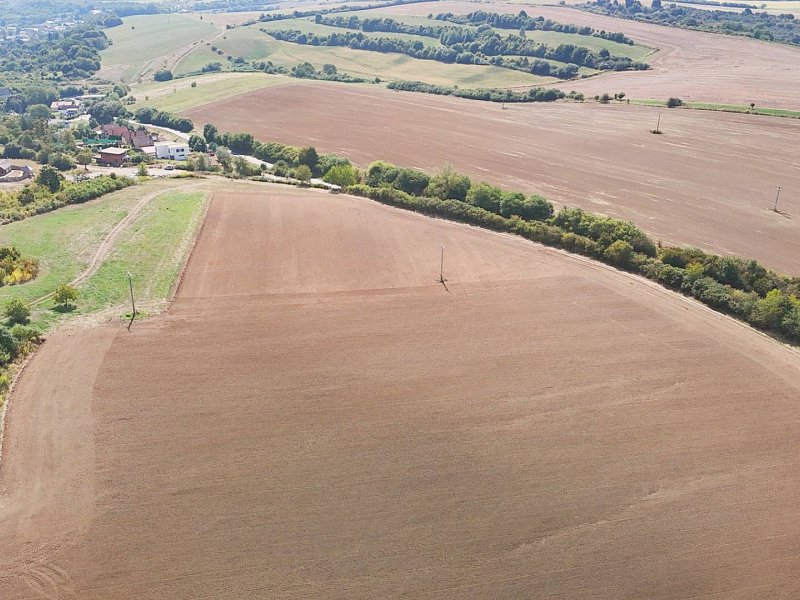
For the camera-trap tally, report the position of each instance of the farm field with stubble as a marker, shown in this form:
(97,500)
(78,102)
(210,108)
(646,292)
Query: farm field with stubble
(317,416)
(693,65)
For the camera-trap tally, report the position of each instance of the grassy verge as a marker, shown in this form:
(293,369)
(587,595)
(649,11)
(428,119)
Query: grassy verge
(65,239)
(152,250)
(732,108)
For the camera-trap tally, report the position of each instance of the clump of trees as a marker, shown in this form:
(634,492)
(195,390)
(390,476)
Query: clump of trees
(151,116)
(521,21)
(329,72)
(65,56)
(162,75)
(14,268)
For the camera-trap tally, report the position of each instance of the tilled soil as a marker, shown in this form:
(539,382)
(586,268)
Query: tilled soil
(708,181)
(317,416)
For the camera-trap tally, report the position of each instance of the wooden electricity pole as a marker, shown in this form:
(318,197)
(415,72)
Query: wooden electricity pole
(133,303)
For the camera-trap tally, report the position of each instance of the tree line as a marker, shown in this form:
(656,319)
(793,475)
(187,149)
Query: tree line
(521,21)
(738,287)
(488,49)
(50,191)
(469,44)
(782,28)
(297,14)
(536,94)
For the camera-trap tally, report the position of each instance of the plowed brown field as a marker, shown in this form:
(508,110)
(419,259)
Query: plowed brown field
(318,417)
(709,181)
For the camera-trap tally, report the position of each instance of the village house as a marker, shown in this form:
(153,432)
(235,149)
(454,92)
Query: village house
(68,108)
(10,172)
(112,157)
(137,138)
(172,151)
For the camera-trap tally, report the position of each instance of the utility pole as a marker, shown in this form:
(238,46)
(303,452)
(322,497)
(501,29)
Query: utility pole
(441,267)
(133,303)
(777,195)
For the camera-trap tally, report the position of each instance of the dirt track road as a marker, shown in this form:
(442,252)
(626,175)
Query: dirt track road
(317,417)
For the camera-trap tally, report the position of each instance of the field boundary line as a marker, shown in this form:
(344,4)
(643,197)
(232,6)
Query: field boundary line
(190,249)
(7,401)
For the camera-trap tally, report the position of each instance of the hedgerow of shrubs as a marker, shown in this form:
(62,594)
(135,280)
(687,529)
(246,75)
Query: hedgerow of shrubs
(36,199)
(742,288)
(151,116)
(536,94)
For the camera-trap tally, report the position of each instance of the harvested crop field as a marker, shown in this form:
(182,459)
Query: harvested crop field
(708,181)
(698,66)
(317,416)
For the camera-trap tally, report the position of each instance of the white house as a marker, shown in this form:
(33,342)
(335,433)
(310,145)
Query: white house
(67,109)
(171,150)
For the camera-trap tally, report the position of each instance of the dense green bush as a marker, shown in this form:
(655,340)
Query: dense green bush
(16,311)
(411,181)
(273,152)
(620,254)
(448,185)
(162,75)
(341,175)
(604,230)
